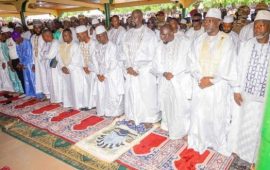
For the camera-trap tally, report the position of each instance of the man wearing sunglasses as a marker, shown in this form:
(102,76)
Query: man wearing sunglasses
(196,29)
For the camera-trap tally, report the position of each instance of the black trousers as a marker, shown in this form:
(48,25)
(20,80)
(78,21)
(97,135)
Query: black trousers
(15,62)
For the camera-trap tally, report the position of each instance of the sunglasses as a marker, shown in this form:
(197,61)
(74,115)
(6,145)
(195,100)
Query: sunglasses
(196,20)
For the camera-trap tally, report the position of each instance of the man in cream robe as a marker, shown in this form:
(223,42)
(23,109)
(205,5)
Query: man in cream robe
(253,68)
(71,64)
(170,65)
(39,65)
(137,53)
(110,79)
(87,48)
(213,69)
(49,53)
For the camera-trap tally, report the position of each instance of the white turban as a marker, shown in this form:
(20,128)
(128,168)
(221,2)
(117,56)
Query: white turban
(81,28)
(228,19)
(95,21)
(263,15)
(100,29)
(5,29)
(214,13)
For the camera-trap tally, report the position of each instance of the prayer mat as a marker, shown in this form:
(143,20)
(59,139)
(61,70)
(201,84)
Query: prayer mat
(72,125)
(6,121)
(157,151)
(111,142)
(57,147)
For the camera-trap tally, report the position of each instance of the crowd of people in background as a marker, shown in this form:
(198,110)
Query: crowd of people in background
(205,82)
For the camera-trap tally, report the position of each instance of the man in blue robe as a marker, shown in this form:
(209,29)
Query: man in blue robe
(24,50)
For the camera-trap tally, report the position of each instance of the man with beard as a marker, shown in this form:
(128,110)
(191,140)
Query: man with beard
(227,27)
(170,65)
(137,52)
(253,67)
(213,69)
(87,48)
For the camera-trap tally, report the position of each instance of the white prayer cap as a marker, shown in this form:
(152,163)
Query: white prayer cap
(183,21)
(228,19)
(263,15)
(214,13)
(95,21)
(5,29)
(18,25)
(100,29)
(81,28)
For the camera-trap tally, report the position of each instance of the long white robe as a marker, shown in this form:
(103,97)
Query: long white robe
(193,34)
(174,94)
(89,100)
(253,67)
(40,66)
(110,92)
(116,35)
(54,74)
(137,51)
(210,110)
(72,89)
(246,32)
(5,82)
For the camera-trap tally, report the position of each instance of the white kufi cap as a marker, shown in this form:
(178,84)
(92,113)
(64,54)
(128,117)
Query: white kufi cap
(263,15)
(100,29)
(81,28)
(228,19)
(214,13)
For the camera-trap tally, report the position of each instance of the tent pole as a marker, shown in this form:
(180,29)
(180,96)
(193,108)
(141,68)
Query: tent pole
(108,13)
(22,11)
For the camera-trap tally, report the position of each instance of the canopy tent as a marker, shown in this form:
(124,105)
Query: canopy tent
(57,7)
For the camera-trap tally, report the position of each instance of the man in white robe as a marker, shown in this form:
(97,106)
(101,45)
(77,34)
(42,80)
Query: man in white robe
(87,48)
(138,50)
(49,53)
(197,29)
(5,81)
(174,24)
(247,32)
(253,68)
(110,78)
(71,64)
(170,65)
(213,69)
(227,27)
(39,67)
(116,33)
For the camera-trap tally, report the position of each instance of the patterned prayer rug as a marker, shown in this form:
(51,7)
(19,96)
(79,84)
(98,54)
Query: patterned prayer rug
(57,147)
(111,142)
(157,151)
(71,125)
